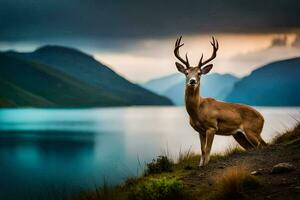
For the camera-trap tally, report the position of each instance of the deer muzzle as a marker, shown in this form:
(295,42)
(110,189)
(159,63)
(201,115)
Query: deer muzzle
(192,82)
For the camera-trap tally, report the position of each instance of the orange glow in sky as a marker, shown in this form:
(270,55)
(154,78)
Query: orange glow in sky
(238,54)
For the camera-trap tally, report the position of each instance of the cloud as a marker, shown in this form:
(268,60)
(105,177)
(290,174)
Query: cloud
(137,68)
(278,49)
(238,54)
(296,42)
(59,19)
(279,41)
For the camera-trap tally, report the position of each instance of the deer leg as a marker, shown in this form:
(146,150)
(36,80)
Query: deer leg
(252,138)
(262,142)
(259,142)
(210,133)
(202,143)
(242,140)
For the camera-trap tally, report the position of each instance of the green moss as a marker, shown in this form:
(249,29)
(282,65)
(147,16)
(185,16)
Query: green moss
(158,189)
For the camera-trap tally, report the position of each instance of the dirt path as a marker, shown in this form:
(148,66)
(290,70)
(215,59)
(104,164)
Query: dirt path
(273,186)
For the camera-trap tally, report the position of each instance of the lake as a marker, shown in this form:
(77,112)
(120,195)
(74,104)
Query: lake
(49,152)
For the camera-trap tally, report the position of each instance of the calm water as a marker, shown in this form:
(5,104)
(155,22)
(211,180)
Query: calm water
(43,151)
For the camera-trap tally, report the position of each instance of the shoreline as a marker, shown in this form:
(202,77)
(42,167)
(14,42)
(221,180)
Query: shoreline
(188,182)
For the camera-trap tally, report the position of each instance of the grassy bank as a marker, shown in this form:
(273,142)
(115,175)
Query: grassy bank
(228,175)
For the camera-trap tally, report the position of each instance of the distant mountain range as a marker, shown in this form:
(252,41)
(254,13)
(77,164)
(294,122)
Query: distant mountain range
(56,76)
(212,85)
(274,84)
(162,84)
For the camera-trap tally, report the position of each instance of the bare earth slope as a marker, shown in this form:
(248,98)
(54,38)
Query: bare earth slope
(272,186)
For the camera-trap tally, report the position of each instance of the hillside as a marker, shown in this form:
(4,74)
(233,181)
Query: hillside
(274,84)
(212,85)
(65,77)
(268,173)
(27,83)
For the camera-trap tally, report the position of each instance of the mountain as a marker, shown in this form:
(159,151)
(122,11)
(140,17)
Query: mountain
(213,85)
(161,85)
(274,84)
(55,76)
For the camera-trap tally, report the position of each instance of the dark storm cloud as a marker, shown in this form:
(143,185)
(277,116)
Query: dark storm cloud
(59,19)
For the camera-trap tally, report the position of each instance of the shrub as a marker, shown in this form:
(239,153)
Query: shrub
(158,189)
(161,164)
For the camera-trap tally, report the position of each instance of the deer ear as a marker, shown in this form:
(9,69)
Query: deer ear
(180,68)
(206,69)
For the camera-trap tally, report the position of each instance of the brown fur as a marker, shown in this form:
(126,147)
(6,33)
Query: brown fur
(210,117)
(220,118)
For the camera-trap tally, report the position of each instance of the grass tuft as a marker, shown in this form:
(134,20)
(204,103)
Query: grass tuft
(186,156)
(233,183)
(105,192)
(231,150)
(288,136)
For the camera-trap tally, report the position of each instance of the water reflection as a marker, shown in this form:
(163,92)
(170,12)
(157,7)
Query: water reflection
(30,160)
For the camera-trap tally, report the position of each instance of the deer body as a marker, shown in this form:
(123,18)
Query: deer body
(210,117)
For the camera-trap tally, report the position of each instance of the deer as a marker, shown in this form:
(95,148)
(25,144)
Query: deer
(210,117)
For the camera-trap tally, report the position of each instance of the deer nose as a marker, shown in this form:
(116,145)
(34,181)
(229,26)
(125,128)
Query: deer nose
(192,81)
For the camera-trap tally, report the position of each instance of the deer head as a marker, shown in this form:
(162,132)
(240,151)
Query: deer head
(193,74)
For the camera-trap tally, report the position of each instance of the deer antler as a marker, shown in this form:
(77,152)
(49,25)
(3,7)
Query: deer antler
(215,45)
(176,52)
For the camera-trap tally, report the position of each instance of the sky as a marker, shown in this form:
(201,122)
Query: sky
(136,38)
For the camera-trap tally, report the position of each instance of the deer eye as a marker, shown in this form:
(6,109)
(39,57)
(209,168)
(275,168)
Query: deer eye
(199,73)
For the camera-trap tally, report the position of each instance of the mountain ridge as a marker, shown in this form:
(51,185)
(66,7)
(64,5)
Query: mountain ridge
(71,68)
(274,84)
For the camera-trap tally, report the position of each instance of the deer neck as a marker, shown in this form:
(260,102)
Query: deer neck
(192,100)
